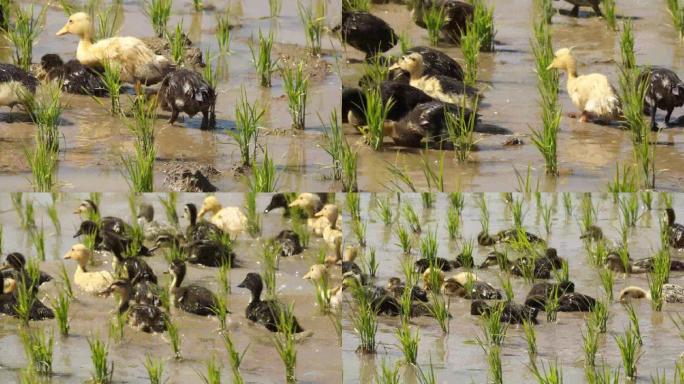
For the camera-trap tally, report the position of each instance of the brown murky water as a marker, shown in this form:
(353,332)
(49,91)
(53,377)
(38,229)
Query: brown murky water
(456,359)
(587,153)
(318,359)
(94,141)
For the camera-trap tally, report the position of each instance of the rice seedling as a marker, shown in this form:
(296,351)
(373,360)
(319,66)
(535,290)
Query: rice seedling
(60,306)
(384,209)
(38,349)
(370,263)
(628,344)
(117,327)
(466,256)
(629,208)
(453,222)
(177,44)
(460,128)
(302,231)
(54,218)
(102,369)
(567,204)
(375,112)
(439,309)
(38,239)
(64,279)
(483,24)
(353,202)
(530,337)
(270,265)
(359,230)
(174,338)
(275,7)
(408,342)
(23,35)
(344,159)
(428,199)
(428,245)
(609,13)
(5,9)
(261,56)
(429,376)
(546,213)
(234,358)
(546,11)
(388,374)
(197,5)
(517,212)
(364,320)
(404,238)
(551,305)
(285,343)
(411,218)
(679,324)
(26,294)
(139,167)
(493,353)
(624,181)
(658,277)
(607,281)
(247,118)
(494,330)
(111,78)
(590,345)
(313,21)
(434,18)
(169,203)
(554,375)
(213,375)
(470,47)
(603,376)
(634,322)
(296,84)
(677,13)
(375,71)
(159,13)
(647,199)
(666,199)
(211,74)
(221,311)
(507,288)
(484,213)
(405,42)
(223,32)
(154,368)
(598,317)
(264,176)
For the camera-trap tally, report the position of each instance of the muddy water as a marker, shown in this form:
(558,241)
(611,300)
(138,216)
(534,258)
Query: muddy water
(94,141)
(587,152)
(318,355)
(456,359)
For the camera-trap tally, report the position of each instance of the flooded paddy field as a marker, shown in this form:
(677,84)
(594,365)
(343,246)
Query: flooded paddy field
(587,153)
(456,356)
(93,141)
(201,337)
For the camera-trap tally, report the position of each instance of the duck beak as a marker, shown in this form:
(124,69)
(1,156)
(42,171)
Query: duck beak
(307,276)
(62,31)
(319,213)
(201,212)
(293,204)
(67,256)
(242,285)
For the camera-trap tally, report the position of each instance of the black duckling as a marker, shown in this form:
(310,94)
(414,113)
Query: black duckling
(615,263)
(76,78)
(107,223)
(190,298)
(457,14)
(132,267)
(210,253)
(382,301)
(567,302)
(665,91)
(278,200)
(435,63)
(184,90)
(289,243)
(594,4)
(151,228)
(592,233)
(421,265)
(546,289)
(396,288)
(479,290)
(440,87)
(510,235)
(264,312)
(675,230)
(144,317)
(16,262)
(404,99)
(14,83)
(199,230)
(512,313)
(543,265)
(367,33)
(9,302)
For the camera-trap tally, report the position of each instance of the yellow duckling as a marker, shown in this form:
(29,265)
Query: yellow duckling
(316,272)
(229,219)
(138,63)
(310,203)
(91,282)
(592,94)
(432,278)
(331,234)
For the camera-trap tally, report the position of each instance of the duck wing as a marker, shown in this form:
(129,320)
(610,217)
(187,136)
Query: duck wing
(436,62)
(198,300)
(575,302)
(9,72)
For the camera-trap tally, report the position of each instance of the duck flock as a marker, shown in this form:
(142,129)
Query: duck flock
(114,257)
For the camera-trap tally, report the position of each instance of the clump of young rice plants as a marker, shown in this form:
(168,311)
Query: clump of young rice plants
(607,277)
(313,21)
(174,337)
(159,13)
(493,353)
(408,342)
(38,349)
(375,111)
(590,344)
(223,32)
(264,177)
(270,253)
(356,5)
(659,276)
(384,209)
(404,238)
(470,47)
(628,344)
(54,215)
(274,7)
(370,263)
(551,305)
(598,317)
(364,319)
(102,369)
(60,306)
(213,375)
(154,368)
(483,24)
(546,11)
(623,182)
(388,374)
(634,322)
(553,374)
(117,327)
(285,343)
(434,18)
(344,158)
(296,85)
(234,358)
(177,44)
(221,311)
(111,78)
(530,338)
(461,126)
(23,35)
(247,118)
(411,218)
(197,5)
(609,13)
(5,9)
(139,167)
(253,217)
(677,13)
(261,56)
(453,222)
(494,330)
(439,309)
(26,294)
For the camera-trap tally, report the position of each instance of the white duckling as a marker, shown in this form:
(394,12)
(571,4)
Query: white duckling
(672,293)
(311,203)
(229,219)
(138,63)
(592,93)
(91,282)
(331,234)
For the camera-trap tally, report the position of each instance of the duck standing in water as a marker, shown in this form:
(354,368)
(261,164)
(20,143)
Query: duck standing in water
(404,99)
(184,90)
(592,94)
(190,298)
(367,33)
(264,312)
(199,230)
(664,90)
(16,263)
(144,317)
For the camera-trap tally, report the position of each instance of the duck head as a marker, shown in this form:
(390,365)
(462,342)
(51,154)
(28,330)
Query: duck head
(50,62)
(412,63)
(14,260)
(87,227)
(145,212)
(330,212)
(433,278)
(86,207)
(564,61)
(190,212)
(210,204)
(485,239)
(120,287)
(165,241)
(177,269)
(492,259)
(633,292)
(670,216)
(551,253)
(79,253)
(279,200)
(254,283)
(451,287)
(393,282)
(306,201)
(316,272)
(79,24)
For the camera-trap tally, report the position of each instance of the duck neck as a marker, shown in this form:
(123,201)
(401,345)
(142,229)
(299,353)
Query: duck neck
(177,280)
(124,300)
(256,294)
(571,69)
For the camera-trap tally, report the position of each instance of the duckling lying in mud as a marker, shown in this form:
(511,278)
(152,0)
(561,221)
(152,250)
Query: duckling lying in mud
(594,4)
(366,32)
(456,14)
(664,91)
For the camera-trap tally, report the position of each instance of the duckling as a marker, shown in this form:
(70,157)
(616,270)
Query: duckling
(16,262)
(331,234)
(512,313)
(367,33)
(138,63)
(316,272)
(14,84)
(592,94)
(210,253)
(278,200)
(479,290)
(381,300)
(9,303)
(435,63)
(594,4)
(336,296)
(423,264)
(546,289)
(543,265)
(614,262)
(593,232)
(184,90)
(510,235)
(672,293)
(190,298)
(576,302)
(228,219)
(311,203)
(349,265)
(131,266)
(396,288)
(442,88)
(143,317)
(404,100)
(90,282)
(485,239)
(665,90)
(264,312)
(201,230)
(289,243)
(114,224)
(151,228)
(456,14)
(75,77)
(675,230)
(110,241)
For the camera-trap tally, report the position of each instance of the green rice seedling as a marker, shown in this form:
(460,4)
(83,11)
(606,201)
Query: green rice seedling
(353,202)
(434,18)
(296,86)
(666,199)
(169,205)
(302,231)
(545,139)
(247,119)
(466,256)
(174,338)
(457,201)
(38,240)
(344,159)
(388,374)
(607,282)
(677,13)
(551,305)
(546,213)
(159,13)
(483,25)
(18,205)
(223,32)
(23,35)
(439,309)
(429,376)
(484,213)
(679,324)
(165,297)
(647,199)
(517,211)
(221,311)
(38,349)
(376,71)
(460,128)
(400,177)
(6,9)
(177,44)
(546,11)
(493,329)
(628,344)
(313,21)
(470,47)
(428,245)
(609,13)
(411,218)
(634,322)
(285,342)
(408,342)
(562,274)
(28,221)
(275,7)
(530,337)
(224,278)
(359,230)
(428,199)
(598,317)
(102,368)
(656,279)
(261,56)
(108,21)
(60,306)
(26,298)
(139,167)
(43,163)
(64,279)
(270,256)
(434,278)
(493,353)
(371,263)
(375,112)
(603,376)
(567,204)
(117,327)
(433,177)
(629,208)
(404,238)
(405,42)
(623,182)
(264,176)
(197,5)
(405,309)
(234,358)
(384,210)
(453,222)
(211,74)
(554,375)
(54,218)
(623,252)
(323,294)
(364,320)
(507,288)
(588,217)
(590,344)
(154,368)
(213,375)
